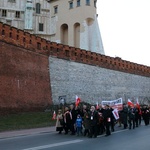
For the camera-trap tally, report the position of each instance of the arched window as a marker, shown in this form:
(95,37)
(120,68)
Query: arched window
(38,8)
(77,35)
(64,34)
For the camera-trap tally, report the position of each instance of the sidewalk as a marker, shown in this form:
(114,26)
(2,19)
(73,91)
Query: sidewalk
(10,134)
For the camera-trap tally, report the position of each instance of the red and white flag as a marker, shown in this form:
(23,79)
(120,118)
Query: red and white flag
(97,106)
(78,100)
(138,106)
(54,115)
(130,103)
(116,114)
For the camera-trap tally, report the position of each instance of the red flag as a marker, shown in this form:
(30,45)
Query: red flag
(78,100)
(130,103)
(54,115)
(138,106)
(97,106)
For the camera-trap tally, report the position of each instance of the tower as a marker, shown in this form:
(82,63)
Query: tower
(74,23)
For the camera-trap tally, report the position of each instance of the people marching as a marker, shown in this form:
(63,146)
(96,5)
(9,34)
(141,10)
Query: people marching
(92,121)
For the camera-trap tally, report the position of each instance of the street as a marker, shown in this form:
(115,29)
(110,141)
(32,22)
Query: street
(134,139)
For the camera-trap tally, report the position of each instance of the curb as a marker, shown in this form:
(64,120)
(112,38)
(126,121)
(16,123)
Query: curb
(26,132)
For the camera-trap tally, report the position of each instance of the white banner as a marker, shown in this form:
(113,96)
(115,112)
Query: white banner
(115,104)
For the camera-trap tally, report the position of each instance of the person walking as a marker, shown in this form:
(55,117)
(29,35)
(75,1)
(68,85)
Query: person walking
(79,125)
(131,115)
(59,121)
(93,115)
(124,116)
(67,120)
(107,114)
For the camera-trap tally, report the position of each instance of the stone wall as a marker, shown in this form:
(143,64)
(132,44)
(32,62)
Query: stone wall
(92,83)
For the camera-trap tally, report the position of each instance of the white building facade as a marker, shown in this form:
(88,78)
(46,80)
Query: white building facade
(30,15)
(70,22)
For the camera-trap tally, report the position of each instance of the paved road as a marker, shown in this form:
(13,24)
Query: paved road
(137,139)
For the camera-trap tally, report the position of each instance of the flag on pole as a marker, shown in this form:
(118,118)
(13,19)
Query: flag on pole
(78,100)
(97,107)
(138,106)
(130,103)
(54,115)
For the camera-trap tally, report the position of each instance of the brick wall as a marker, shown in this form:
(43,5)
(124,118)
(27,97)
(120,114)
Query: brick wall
(31,42)
(24,79)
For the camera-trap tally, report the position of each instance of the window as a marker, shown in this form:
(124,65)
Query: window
(9,22)
(71,4)
(17,14)
(41,27)
(55,9)
(95,3)
(4,13)
(38,8)
(87,2)
(3,32)
(78,3)
(38,45)
(12,1)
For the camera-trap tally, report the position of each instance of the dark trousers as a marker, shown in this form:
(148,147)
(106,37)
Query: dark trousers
(72,128)
(93,131)
(86,131)
(79,130)
(107,124)
(131,123)
(146,120)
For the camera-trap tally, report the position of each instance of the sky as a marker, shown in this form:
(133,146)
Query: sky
(125,29)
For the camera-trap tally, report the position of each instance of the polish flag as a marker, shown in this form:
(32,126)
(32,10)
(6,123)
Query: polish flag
(116,114)
(130,103)
(78,100)
(97,107)
(138,106)
(54,115)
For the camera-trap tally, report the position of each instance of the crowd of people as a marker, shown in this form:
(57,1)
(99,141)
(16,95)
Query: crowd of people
(93,121)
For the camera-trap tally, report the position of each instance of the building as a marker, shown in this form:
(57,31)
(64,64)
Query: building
(30,15)
(74,23)
(70,22)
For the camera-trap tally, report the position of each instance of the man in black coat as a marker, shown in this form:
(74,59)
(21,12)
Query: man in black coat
(145,115)
(73,112)
(124,116)
(131,115)
(93,116)
(107,114)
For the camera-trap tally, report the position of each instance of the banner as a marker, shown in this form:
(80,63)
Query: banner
(116,114)
(115,104)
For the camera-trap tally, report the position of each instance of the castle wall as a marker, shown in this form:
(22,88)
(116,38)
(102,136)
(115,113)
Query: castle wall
(31,66)
(24,79)
(92,83)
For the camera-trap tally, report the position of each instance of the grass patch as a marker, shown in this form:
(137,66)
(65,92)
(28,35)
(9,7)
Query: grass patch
(26,121)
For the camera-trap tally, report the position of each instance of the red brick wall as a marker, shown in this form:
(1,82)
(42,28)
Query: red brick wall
(20,38)
(24,79)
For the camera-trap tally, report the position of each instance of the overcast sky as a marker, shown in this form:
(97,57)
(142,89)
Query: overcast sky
(125,29)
